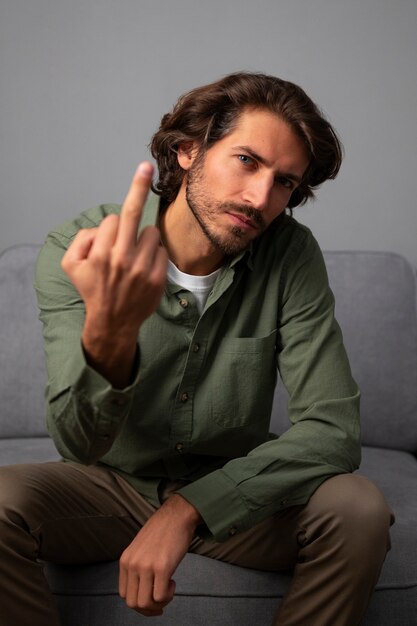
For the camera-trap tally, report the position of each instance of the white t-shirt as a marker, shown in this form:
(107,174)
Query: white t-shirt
(200,286)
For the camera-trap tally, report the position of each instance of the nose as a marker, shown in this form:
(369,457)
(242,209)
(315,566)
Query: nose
(258,192)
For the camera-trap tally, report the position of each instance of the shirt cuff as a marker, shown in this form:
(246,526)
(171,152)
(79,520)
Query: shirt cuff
(220,504)
(107,399)
(93,390)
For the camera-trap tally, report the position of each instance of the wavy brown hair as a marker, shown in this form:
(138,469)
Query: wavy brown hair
(207,114)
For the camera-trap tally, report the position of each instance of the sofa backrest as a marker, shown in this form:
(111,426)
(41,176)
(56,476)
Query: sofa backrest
(376,308)
(22,363)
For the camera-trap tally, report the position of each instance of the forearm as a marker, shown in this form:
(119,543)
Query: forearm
(177,505)
(85,414)
(278,474)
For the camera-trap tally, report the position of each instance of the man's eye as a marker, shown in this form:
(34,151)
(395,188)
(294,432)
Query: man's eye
(246,160)
(285,182)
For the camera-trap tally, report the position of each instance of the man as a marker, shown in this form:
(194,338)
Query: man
(162,352)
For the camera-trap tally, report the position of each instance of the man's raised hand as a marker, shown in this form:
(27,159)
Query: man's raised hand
(121,278)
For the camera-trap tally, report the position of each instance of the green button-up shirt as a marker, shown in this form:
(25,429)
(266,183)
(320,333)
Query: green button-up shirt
(199,407)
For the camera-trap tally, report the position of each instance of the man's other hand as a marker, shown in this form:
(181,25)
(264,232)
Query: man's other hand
(148,563)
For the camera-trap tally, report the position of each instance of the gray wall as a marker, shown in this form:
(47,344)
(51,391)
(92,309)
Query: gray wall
(83,84)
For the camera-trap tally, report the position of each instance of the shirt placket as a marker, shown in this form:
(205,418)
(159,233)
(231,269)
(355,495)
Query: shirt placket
(199,329)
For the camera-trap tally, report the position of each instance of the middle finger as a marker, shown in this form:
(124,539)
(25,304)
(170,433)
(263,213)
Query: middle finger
(132,208)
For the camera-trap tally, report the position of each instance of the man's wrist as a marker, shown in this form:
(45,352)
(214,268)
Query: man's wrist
(184,508)
(111,354)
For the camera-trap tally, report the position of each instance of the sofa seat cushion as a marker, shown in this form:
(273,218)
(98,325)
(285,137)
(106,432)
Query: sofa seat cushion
(395,473)
(27,450)
(215,593)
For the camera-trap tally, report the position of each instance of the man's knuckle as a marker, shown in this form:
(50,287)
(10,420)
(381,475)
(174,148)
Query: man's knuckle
(132,210)
(161,568)
(111,220)
(84,233)
(119,263)
(160,598)
(144,605)
(147,569)
(150,235)
(99,258)
(152,231)
(139,273)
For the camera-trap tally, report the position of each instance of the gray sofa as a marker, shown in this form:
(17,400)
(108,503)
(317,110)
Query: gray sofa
(376,306)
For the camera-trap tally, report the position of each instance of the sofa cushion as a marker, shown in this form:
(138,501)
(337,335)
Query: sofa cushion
(395,473)
(376,305)
(27,450)
(22,362)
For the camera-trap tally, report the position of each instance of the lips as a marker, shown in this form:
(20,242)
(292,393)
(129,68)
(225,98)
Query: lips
(242,220)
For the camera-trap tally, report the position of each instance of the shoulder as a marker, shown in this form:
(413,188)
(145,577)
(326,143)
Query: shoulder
(49,274)
(287,242)
(87,219)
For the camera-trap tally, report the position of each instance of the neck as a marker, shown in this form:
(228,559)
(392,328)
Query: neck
(187,245)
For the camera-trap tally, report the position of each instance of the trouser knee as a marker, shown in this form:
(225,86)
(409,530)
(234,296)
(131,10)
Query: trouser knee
(358,500)
(24,499)
(9,490)
(16,491)
(355,507)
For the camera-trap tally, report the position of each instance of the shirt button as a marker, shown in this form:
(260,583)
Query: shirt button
(232,531)
(179,447)
(184,397)
(196,347)
(184,303)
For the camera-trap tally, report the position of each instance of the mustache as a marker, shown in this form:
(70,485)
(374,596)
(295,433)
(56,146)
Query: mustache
(252,214)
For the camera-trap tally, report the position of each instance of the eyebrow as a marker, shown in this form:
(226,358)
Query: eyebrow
(264,161)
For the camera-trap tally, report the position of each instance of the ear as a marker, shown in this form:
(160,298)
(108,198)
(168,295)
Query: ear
(186,154)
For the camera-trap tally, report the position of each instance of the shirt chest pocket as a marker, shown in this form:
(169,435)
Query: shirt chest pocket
(244,377)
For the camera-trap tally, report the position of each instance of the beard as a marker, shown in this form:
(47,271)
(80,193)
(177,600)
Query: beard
(206,209)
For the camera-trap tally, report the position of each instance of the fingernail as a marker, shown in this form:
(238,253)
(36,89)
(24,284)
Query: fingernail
(145,169)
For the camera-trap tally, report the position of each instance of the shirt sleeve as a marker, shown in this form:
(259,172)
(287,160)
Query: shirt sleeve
(84,413)
(324,439)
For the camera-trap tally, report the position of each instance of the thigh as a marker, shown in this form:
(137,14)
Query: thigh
(271,545)
(349,502)
(74,513)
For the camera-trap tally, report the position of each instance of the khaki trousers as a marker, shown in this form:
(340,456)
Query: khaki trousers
(68,513)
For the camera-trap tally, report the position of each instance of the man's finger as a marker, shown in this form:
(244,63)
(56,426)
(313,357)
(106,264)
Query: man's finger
(79,248)
(132,588)
(163,590)
(147,248)
(132,208)
(145,599)
(105,237)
